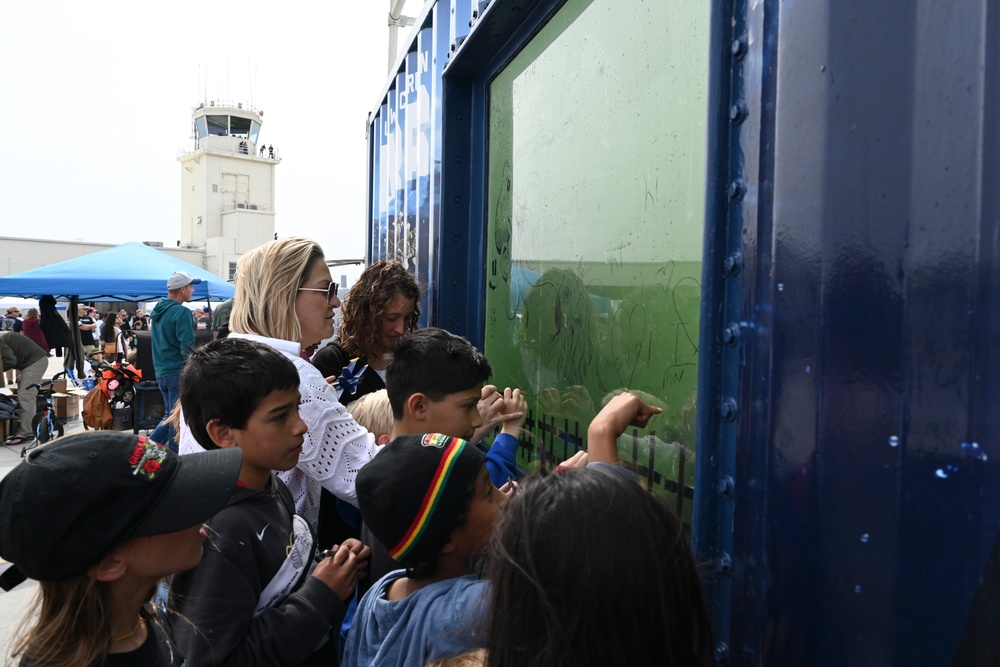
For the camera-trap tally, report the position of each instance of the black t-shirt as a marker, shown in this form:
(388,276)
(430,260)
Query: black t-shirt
(332,360)
(156,651)
(86,335)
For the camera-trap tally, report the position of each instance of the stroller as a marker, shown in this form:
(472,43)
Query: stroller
(115,391)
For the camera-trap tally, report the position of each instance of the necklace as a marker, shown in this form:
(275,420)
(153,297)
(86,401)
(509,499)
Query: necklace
(134,630)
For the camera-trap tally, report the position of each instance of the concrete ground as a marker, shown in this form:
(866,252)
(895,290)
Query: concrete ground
(14,603)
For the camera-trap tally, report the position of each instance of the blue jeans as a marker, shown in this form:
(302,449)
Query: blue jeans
(164,434)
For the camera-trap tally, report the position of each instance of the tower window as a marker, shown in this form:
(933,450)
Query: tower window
(218,125)
(232,270)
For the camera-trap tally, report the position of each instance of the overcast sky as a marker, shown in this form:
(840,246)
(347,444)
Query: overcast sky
(97,101)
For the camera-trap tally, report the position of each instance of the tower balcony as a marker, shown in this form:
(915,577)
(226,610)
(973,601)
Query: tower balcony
(234,146)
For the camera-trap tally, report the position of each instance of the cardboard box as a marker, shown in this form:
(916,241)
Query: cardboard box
(67,407)
(59,386)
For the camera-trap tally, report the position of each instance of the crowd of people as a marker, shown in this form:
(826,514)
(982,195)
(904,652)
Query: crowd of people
(430,550)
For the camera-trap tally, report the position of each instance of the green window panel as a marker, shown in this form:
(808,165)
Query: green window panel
(596,175)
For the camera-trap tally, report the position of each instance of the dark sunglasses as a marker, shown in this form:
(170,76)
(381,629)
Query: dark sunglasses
(331,291)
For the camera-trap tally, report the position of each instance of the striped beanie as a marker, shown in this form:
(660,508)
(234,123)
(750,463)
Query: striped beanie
(414,490)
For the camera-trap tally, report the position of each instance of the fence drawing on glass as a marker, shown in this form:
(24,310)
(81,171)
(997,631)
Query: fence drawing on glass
(568,331)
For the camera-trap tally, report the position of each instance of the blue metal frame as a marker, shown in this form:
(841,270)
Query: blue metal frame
(847,495)
(723,330)
(499,33)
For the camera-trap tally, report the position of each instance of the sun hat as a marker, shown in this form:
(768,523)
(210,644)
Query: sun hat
(75,499)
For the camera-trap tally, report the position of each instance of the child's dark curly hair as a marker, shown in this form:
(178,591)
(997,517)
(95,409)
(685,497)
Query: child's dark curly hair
(360,331)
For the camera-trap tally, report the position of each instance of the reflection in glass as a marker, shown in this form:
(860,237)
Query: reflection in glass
(596,206)
(218,125)
(239,127)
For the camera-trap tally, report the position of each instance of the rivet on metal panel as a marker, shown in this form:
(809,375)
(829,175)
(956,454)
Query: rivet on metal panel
(739,47)
(724,564)
(457,199)
(725,487)
(736,190)
(721,651)
(456,239)
(459,116)
(455,283)
(454,320)
(459,159)
(734,263)
(737,113)
(728,409)
(731,335)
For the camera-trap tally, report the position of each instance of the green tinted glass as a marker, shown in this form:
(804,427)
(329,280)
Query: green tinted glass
(595,208)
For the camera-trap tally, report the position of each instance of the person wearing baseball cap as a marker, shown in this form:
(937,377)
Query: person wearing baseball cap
(179,279)
(98,518)
(12,321)
(172,336)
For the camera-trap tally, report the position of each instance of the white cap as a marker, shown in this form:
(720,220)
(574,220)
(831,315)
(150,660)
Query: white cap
(180,279)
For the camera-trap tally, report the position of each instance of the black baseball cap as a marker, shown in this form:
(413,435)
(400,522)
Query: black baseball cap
(72,501)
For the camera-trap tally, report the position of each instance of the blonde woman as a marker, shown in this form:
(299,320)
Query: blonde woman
(285,298)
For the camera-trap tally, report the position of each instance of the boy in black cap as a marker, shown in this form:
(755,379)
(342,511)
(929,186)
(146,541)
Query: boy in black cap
(435,384)
(98,518)
(429,500)
(255,598)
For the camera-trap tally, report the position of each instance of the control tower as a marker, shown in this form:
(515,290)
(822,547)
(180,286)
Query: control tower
(227,185)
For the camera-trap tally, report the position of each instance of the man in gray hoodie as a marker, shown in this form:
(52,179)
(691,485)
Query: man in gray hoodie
(172,337)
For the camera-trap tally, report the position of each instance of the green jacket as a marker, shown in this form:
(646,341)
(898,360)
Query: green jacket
(172,335)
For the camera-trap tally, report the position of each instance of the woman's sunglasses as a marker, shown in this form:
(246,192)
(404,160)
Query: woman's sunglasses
(331,291)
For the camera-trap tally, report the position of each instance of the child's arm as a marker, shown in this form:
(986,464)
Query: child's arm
(500,460)
(343,567)
(622,411)
(221,620)
(215,624)
(495,408)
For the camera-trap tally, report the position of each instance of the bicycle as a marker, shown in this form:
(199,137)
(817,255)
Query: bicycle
(44,424)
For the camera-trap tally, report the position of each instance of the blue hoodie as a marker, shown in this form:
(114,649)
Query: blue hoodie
(172,333)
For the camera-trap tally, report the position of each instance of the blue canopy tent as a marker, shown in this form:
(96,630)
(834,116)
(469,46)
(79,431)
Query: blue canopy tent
(129,272)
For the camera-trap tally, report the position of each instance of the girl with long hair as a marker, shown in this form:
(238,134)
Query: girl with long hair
(114,342)
(97,518)
(588,568)
(381,308)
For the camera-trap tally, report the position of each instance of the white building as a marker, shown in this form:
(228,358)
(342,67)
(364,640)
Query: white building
(227,186)
(227,198)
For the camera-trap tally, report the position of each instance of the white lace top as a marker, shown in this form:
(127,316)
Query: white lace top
(335,445)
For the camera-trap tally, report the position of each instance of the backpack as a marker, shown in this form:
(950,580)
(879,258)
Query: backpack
(96,411)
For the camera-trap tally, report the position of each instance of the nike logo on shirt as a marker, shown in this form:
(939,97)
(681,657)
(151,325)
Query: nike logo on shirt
(260,535)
